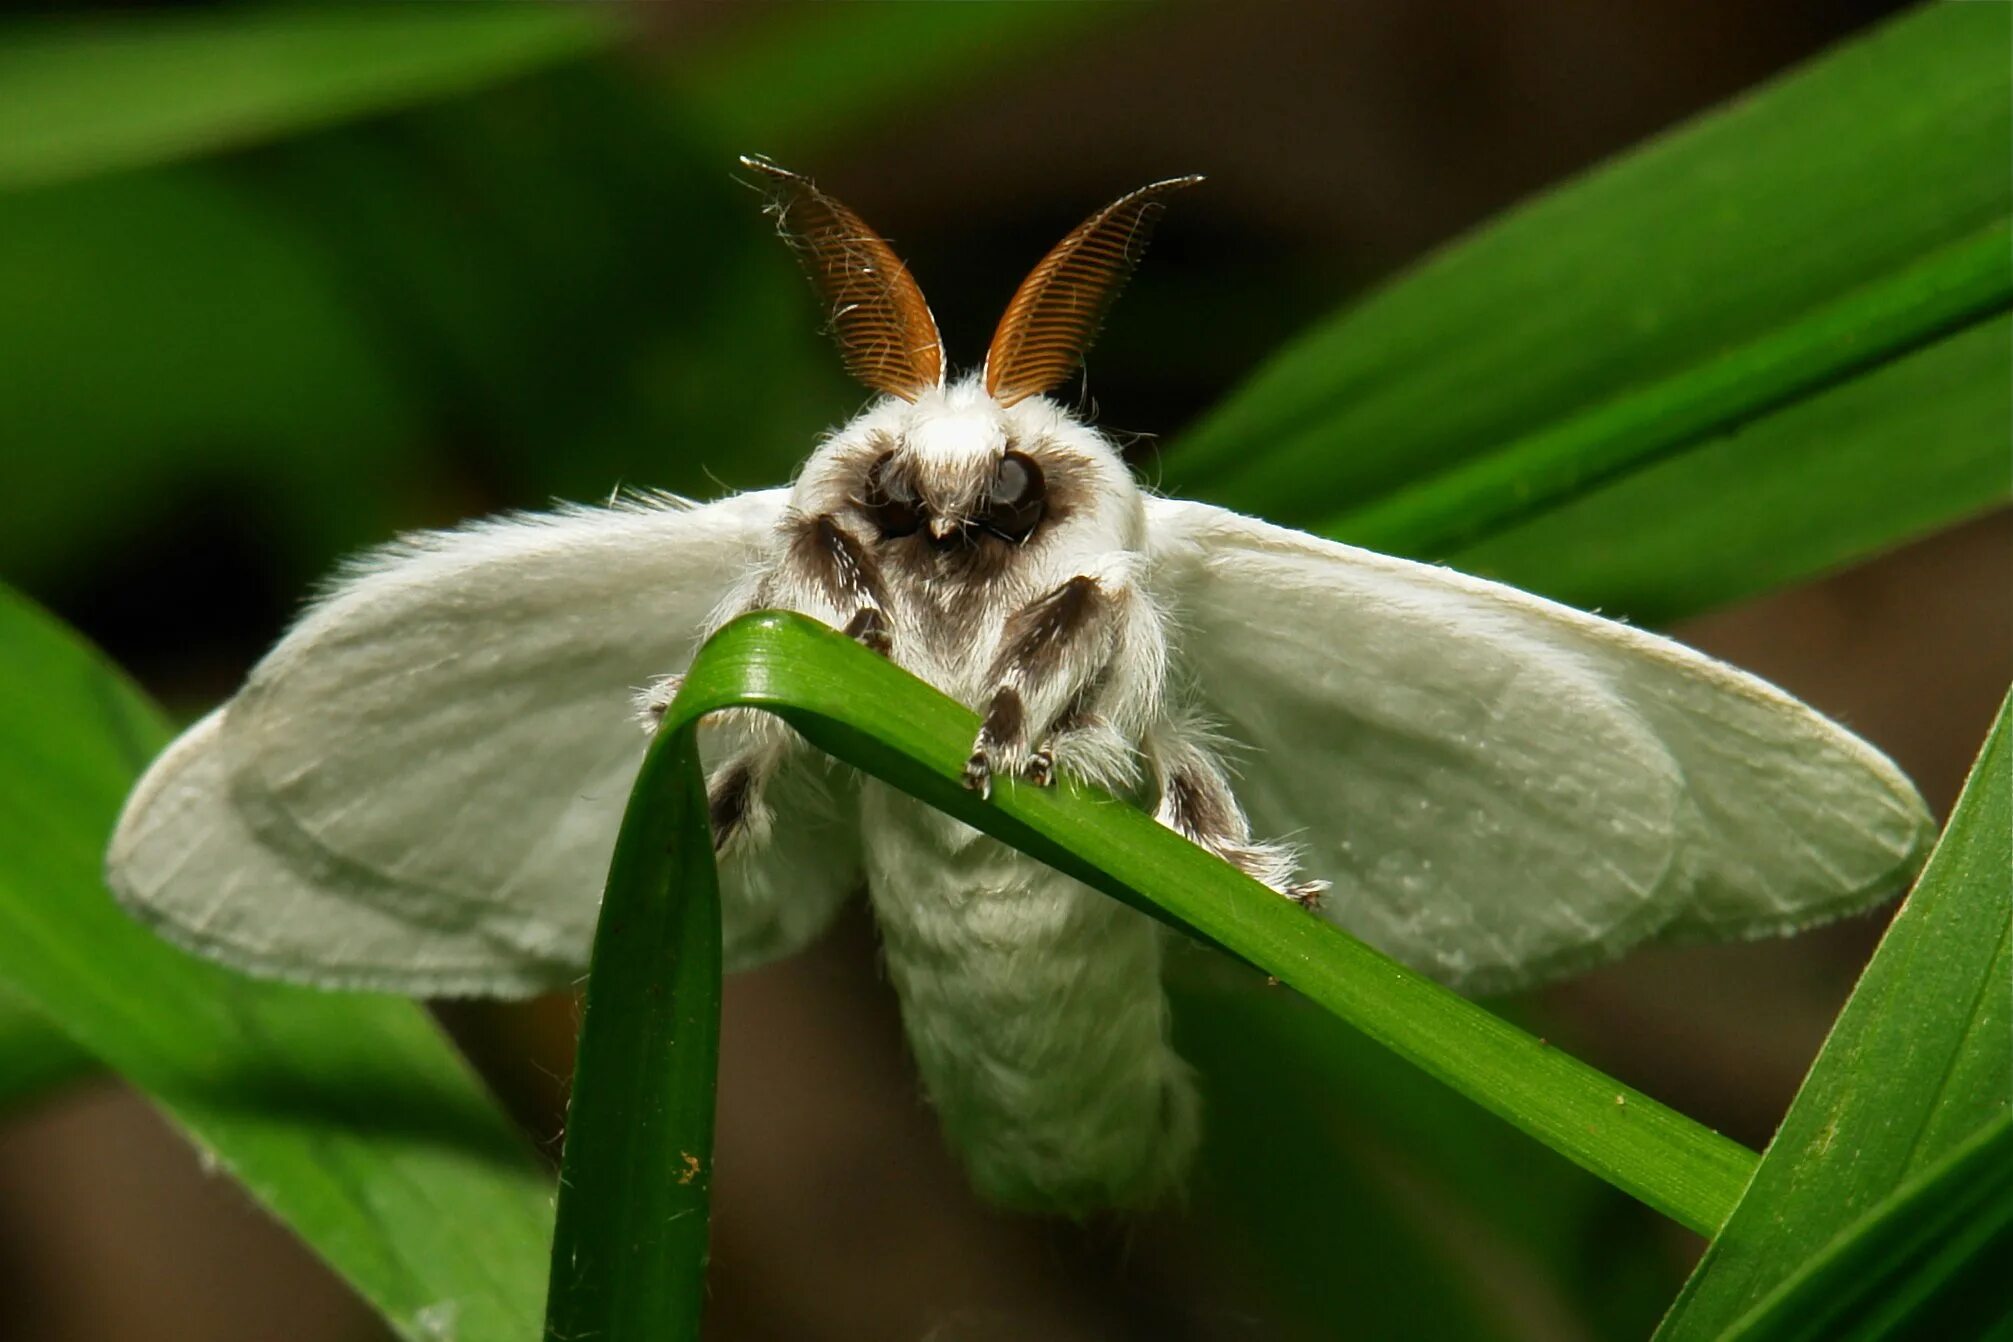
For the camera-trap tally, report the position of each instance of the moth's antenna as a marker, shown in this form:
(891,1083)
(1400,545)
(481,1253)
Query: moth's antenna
(883,327)
(1056,312)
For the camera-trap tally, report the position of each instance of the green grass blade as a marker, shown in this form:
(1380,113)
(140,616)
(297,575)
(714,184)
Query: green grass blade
(116,91)
(1930,1261)
(629,1249)
(1956,288)
(1881,459)
(350,1117)
(1916,1063)
(1844,218)
(870,714)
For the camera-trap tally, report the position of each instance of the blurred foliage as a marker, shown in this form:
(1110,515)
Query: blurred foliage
(308,277)
(80,96)
(1639,365)
(350,1117)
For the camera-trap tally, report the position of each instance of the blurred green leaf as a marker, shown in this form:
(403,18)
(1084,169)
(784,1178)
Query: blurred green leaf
(1928,1262)
(583,291)
(629,1248)
(1846,473)
(1916,1063)
(350,1117)
(166,331)
(1813,233)
(35,1059)
(89,95)
(798,77)
(551,289)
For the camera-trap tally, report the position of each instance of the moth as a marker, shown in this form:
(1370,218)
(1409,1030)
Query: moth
(417,789)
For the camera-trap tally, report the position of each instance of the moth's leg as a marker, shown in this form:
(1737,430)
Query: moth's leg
(1064,661)
(755,746)
(1080,721)
(822,570)
(1196,802)
(655,699)
(825,567)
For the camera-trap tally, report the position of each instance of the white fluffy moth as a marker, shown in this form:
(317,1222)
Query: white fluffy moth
(418,789)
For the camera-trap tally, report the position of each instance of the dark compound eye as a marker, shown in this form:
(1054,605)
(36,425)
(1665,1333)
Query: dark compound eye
(891,503)
(1014,506)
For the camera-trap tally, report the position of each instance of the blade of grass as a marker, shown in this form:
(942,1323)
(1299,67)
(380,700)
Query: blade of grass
(1844,217)
(83,96)
(861,709)
(1929,1261)
(1916,1063)
(351,1118)
(629,1247)
(1947,292)
(1875,461)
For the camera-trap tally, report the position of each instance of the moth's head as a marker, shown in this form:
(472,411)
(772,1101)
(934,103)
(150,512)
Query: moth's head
(985,459)
(955,474)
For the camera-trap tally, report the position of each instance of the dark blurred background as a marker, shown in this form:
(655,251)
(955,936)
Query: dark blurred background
(555,287)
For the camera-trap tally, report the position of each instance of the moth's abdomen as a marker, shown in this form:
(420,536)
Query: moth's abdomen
(1034,1008)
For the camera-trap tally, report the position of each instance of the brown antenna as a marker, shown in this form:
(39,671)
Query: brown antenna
(884,329)
(1057,310)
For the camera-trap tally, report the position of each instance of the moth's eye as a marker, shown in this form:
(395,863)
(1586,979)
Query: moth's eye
(890,500)
(1014,505)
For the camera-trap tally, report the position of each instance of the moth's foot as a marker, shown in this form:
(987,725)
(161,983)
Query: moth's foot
(1040,768)
(1000,747)
(654,701)
(869,628)
(978,775)
(1307,894)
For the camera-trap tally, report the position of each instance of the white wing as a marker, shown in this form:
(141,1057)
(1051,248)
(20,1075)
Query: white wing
(1503,789)
(418,789)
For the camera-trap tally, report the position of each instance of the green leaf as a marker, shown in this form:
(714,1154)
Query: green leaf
(1916,1063)
(83,96)
(865,711)
(629,1249)
(350,1117)
(1849,472)
(1848,216)
(110,407)
(1929,1261)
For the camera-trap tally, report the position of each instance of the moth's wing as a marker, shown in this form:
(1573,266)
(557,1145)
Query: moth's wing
(418,789)
(1503,789)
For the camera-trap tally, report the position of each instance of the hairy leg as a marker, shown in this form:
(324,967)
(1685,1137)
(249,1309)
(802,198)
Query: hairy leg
(1068,665)
(823,570)
(1196,802)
